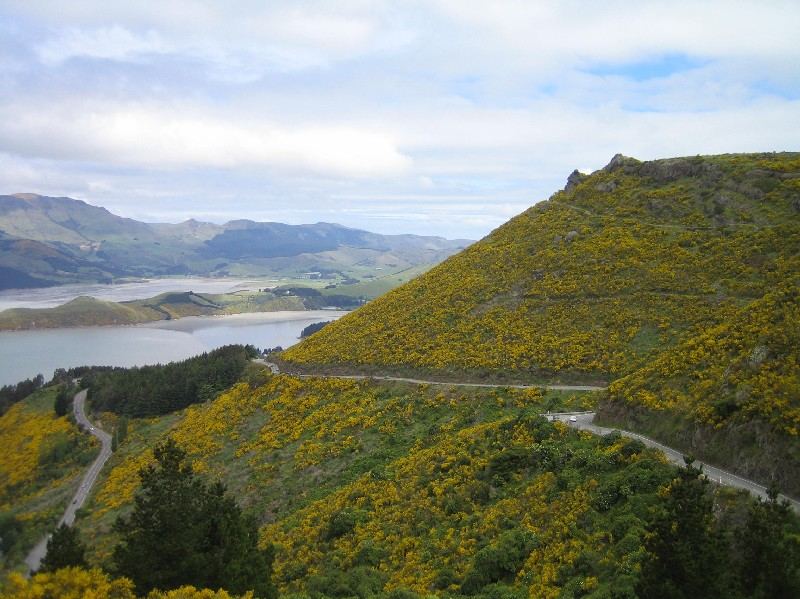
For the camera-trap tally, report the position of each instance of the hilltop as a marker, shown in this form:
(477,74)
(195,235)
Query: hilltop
(600,281)
(47,241)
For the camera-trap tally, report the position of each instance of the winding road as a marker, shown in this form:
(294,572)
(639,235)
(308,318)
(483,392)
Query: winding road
(583,421)
(36,555)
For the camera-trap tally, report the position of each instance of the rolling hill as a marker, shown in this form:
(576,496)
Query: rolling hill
(47,241)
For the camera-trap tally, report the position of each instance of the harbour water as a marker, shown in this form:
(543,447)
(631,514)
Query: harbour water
(24,354)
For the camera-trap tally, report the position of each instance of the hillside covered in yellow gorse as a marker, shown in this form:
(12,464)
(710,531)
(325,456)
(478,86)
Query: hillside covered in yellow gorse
(594,282)
(43,460)
(673,280)
(388,489)
(396,487)
(731,392)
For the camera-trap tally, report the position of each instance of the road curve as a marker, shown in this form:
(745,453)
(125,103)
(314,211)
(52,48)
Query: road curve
(38,552)
(583,421)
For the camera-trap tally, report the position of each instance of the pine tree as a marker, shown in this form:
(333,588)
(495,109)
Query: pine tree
(62,401)
(685,551)
(182,532)
(769,551)
(64,548)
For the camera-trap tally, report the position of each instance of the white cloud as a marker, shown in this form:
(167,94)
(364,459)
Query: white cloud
(164,139)
(282,36)
(116,43)
(374,109)
(617,30)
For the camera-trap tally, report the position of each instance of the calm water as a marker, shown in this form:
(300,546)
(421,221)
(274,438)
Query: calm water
(51,297)
(24,354)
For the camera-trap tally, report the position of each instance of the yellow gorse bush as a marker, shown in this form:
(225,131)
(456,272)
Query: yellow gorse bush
(24,433)
(78,583)
(744,369)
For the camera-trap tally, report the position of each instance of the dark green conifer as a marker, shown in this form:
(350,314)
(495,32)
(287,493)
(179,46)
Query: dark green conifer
(686,553)
(182,531)
(64,548)
(62,401)
(769,550)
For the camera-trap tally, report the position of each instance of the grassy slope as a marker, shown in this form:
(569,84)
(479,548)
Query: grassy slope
(423,479)
(44,458)
(731,393)
(82,311)
(88,311)
(377,283)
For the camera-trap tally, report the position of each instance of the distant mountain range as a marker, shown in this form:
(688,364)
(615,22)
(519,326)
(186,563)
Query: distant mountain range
(48,241)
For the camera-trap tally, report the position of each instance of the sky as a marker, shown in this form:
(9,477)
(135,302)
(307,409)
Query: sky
(443,117)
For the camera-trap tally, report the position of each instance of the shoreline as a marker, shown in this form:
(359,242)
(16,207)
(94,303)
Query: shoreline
(252,317)
(169,324)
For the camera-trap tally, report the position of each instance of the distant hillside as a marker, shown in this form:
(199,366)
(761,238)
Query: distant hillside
(86,311)
(684,268)
(46,241)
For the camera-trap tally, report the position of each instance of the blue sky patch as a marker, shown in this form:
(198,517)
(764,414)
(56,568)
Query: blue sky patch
(656,68)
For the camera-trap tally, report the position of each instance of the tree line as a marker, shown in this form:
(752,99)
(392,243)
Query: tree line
(160,389)
(313,328)
(11,394)
(693,552)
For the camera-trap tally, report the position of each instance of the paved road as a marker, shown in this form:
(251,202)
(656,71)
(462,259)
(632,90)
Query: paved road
(583,421)
(717,475)
(37,553)
(360,377)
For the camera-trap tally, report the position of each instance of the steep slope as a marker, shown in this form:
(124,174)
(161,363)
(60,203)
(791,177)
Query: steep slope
(43,463)
(730,393)
(403,485)
(373,489)
(593,282)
